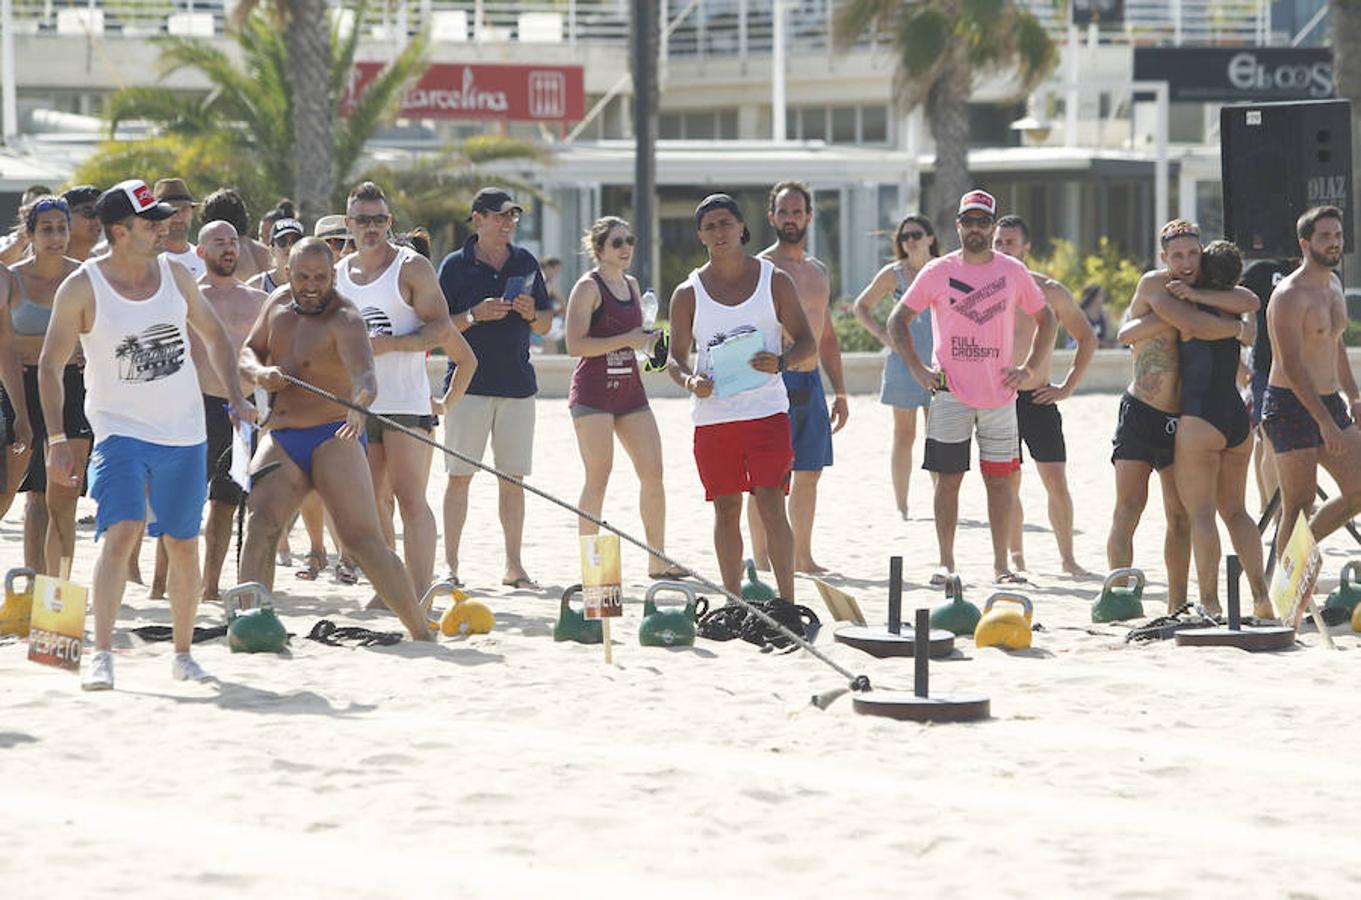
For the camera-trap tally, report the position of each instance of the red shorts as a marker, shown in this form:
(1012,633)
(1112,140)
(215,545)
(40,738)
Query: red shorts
(736,457)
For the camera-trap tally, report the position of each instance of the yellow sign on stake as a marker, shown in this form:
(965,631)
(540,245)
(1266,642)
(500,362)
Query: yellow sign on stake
(601,580)
(1292,585)
(57,632)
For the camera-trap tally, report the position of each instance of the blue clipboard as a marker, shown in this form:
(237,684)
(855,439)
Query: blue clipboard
(731,360)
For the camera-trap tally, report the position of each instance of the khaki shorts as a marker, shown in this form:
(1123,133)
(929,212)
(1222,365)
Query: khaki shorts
(508,421)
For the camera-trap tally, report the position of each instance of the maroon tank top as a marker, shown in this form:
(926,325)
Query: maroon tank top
(610,382)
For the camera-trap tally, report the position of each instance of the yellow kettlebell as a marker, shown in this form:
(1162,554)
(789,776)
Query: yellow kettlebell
(1009,627)
(466,616)
(1356,618)
(18,606)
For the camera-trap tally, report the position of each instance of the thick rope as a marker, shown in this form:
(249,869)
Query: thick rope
(856,682)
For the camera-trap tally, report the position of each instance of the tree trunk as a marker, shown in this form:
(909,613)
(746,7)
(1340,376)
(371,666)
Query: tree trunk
(947,112)
(1345,27)
(308,39)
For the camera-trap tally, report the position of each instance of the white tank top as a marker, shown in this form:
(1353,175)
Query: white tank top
(140,381)
(716,323)
(403,386)
(190,260)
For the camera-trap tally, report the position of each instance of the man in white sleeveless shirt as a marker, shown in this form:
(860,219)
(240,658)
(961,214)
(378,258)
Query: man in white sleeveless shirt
(396,292)
(738,310)
(132,311)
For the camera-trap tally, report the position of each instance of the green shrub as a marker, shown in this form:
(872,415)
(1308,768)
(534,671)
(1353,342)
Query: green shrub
(1118,275)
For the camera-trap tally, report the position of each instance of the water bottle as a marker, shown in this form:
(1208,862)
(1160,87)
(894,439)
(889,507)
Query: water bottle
(648,304)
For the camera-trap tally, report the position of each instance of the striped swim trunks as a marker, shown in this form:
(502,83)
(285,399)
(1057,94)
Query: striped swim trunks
(950,428)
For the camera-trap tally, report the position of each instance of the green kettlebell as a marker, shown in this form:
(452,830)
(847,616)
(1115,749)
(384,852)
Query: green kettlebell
(1120,602)
(754,589)
(674,627)
(573,624)
(252,624)
(1348,593)
(956,615)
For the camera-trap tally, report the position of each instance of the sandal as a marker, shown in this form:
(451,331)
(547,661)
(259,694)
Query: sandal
(316,564)
(345,572)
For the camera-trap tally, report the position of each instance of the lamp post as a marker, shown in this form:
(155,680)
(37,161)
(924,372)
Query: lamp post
(644,53)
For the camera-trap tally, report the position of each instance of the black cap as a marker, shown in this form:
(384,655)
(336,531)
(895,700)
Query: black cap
(131,198)
(285,226)
(494,200)
(722,201)
(81,193)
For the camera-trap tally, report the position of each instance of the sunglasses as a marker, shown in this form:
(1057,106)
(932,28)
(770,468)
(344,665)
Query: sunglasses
(975,221)
(366,221)
(87,212)
(286,240)
(335,243)
(911,236)
(618,242)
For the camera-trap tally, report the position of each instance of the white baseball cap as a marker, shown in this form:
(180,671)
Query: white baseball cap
(979,200)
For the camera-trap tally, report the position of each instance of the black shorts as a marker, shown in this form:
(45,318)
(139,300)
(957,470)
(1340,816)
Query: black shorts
(74,423)
(376,428)
(1041,428)
(219,427)
(1288,425)
(1144,434)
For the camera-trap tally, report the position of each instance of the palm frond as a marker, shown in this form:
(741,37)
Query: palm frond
(485,148)
(343,49)
(173,111)
(854,18)
(377,105)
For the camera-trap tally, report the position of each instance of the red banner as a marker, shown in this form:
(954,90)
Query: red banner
(466,91)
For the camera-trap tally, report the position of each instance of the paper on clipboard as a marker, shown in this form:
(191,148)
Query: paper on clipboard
(731,360)
(240,470)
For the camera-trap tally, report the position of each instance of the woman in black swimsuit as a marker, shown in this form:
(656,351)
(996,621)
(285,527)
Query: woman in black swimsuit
(1214,445)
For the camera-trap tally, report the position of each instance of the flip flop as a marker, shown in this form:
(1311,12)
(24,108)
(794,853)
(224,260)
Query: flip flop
(345,572)
(940,577)
(1011,578)
(674,573)
(315,565)
(523,583)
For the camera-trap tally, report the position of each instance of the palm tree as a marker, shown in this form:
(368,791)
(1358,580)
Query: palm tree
(939,47)
(437,190)
(248,124)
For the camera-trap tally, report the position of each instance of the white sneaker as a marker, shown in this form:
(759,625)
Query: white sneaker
(99,676)
(186,668)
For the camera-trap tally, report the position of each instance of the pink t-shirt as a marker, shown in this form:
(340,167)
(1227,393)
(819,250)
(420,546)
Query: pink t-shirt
(973,321)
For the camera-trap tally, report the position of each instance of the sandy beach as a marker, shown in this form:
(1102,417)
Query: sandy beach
(507,765)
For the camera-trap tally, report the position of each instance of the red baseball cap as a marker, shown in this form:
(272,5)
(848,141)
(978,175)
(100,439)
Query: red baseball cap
(131,198)
(979,200)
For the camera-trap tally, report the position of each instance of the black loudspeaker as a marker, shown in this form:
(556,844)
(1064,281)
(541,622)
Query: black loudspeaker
(1278,160)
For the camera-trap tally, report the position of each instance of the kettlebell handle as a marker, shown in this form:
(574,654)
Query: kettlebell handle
(1127,572)
(1009,597)
(20,572)
(246,588)
(567,597)
(1349,569)
(439,588)
(674,587)
(954,588)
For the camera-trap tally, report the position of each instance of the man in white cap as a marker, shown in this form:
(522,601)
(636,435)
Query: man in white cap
(974,293)
(132,312)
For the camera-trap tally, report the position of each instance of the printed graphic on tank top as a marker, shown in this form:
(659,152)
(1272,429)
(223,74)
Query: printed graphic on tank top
(403,386)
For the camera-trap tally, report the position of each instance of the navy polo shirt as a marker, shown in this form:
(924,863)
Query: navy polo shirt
(502,347)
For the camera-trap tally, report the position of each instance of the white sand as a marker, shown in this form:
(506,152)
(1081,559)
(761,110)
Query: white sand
(508,765)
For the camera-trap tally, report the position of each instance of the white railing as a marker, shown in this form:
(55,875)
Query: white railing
(720,28)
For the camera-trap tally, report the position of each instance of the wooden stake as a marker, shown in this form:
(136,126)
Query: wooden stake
(605,631)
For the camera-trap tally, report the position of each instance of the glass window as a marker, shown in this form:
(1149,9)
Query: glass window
(699,125)
(669,127)
(727,124)
(813,123)
(874,124)
(843,125)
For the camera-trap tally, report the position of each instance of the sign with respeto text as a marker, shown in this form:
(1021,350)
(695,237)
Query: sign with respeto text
(57,632)
(601,576)
(548,93)
(1238,74)
(1292,586)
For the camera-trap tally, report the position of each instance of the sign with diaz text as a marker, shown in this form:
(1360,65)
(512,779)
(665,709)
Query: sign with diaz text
(57,632)
(546,93)
(1238,73)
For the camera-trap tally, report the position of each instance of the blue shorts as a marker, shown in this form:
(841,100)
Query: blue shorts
(810,428)
(127,475)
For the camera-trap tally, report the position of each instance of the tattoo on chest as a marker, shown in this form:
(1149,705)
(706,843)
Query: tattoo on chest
(1155,364)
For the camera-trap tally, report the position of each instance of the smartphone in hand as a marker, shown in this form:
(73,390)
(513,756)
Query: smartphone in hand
(515,286)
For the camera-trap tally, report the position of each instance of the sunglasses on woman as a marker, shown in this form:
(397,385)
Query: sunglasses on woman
(911,236)
(618,242)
